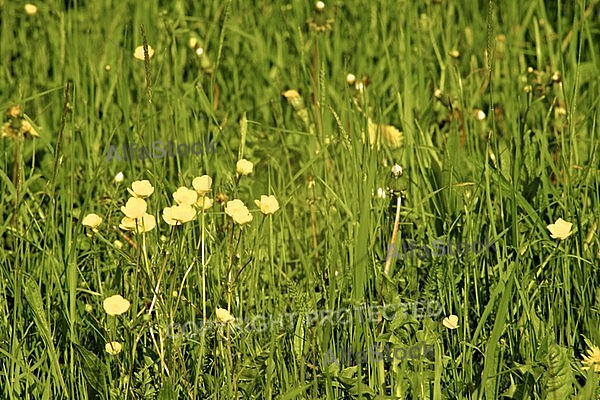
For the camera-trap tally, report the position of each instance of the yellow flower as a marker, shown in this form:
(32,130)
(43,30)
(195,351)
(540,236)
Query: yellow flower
(179,214)
(134,208)
(244,167)
(128,224)
(267,204)
(141,189)
(592,359)
(450,322)
(145,223)
(202,184)
(224,316)
(30,9)
(184,195)
(92,221)
(387,134)
(204,203)
(561,229)
(113,348)
(238,211)
(115,305)
(139,52)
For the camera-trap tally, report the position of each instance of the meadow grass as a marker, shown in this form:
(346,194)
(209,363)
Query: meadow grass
(497,103)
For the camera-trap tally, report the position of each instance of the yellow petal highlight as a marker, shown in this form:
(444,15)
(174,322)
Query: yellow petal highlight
(115,305)
(91,221)
(450,322)
(135,208)
(184,195)
(113,348)
(560,230)
(267,204)
(224,316)
(202,184)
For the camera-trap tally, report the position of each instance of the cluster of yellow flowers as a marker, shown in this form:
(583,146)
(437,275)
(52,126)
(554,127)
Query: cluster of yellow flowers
(136,216)
(187,202)
(187,199)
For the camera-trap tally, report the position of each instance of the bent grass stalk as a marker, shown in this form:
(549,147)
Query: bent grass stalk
(388,260)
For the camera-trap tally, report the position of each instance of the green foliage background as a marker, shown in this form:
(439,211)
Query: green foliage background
(526,312)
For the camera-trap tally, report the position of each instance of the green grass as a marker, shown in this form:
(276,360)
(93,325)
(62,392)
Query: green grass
(526,313)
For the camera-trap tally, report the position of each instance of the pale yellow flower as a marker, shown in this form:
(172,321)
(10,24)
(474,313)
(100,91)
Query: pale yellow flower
(267,204)
(30,9)
(561,229)
(145,223)
(141,189)
(184,195)
(450,322)
(113,348)
(244,167)
(134,208)
(179,214)
(592,360)
(115,305)
(204,203)
(202,184)
(295,99)
(224,316)
(128,224)
(238,211)
(387,134)
(92,221)
(139,52)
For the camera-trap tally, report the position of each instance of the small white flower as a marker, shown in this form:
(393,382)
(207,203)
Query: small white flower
(381,193)
(397,170)
(119,177)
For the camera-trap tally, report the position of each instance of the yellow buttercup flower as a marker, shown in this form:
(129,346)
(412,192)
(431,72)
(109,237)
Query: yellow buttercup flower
(141,189)
(224,316)
(592,360)
(184,195)
(450,322)
(238,211)
(115,305)
(128,224)
(560,230)
(204,203)
(91,221)
(135,207)
(244,167)
(113,348)
(388,134)
(145,223)
(179,214)
(267,204)
(139,52)
(202,184)
(30,9)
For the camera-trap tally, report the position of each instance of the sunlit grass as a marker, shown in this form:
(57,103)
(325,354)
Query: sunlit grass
(302,113)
